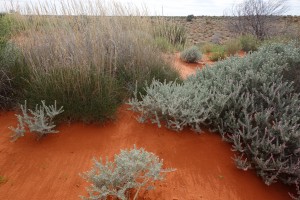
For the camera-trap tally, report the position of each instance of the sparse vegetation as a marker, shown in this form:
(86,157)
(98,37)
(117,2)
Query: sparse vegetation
(130,172)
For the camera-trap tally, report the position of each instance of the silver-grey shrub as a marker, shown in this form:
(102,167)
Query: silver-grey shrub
(247,100)
(131,169)
(39,121)
(191,55)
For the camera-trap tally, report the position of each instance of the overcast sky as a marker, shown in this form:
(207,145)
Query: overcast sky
(172,7)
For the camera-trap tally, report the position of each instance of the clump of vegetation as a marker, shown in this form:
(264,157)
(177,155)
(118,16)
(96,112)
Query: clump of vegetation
(247,100)
(131,171)
(164,45)
(3,180)
(191,55)
(217,53)
(39,121)
(173,32)
(88,70)
(207,47)
(232,47)
(249,43)
(189,18)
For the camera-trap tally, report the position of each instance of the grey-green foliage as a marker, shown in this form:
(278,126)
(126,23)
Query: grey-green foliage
(131,169)
(39,121)
(247,100)
(191,55)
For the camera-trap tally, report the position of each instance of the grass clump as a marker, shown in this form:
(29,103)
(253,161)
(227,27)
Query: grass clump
(232,47)
(249,43)
(131,171)
(173,32)
(207,47)
(89,70)
(247,100)
(191,55)
(217,53)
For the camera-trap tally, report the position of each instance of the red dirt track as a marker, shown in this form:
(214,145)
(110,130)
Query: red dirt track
(49,169)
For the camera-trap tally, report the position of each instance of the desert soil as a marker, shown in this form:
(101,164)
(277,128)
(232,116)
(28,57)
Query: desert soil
(49,169)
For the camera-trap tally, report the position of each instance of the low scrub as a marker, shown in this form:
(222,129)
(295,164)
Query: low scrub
(131,171)
(191,55)
(247,100)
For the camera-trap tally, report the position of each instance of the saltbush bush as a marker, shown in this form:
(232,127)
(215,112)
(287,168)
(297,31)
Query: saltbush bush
(191,55)
(247,100)
(133,169)
(38,121)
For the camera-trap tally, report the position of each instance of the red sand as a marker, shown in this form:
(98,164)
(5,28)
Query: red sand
(49,169)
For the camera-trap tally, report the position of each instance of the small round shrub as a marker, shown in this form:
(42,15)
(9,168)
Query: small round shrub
(189,18)
(191,55)
(131,170)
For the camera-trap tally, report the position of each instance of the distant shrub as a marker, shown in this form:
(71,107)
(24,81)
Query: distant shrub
(39,121)
(232,47)
(189,18)
(249,43)
(247,100)
(133,169)
(217,53)
(191,55)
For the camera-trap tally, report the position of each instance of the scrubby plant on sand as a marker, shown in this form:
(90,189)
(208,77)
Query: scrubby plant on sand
(38,121)
(131,171)
(191,55)
(89,70)
(249,43)
(247,100)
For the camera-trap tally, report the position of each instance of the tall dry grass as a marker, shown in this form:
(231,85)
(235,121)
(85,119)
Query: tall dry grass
(88,63)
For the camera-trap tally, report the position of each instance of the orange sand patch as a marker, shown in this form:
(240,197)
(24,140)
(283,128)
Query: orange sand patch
(49,169)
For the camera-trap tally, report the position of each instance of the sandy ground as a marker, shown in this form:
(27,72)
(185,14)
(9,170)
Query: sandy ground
(49,169)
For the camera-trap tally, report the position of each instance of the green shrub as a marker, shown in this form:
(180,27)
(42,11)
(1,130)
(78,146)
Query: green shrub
(232,47)
(247,100)
(249,43)
(217,53)
(191,55)
(12,74)
(133,169)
